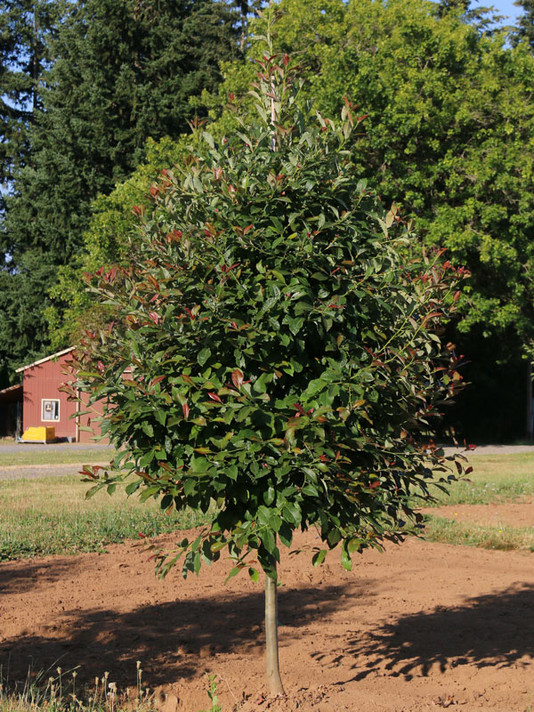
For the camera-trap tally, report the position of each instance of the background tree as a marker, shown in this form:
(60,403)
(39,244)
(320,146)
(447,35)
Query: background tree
(121,72)
(525,23)
(274,347)
(25,30)
(448,127)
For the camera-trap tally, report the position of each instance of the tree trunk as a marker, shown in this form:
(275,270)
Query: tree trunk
(271,635)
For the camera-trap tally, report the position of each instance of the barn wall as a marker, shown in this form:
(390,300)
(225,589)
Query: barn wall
(42,382)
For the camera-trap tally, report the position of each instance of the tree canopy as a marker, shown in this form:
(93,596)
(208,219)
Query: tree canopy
(274,344)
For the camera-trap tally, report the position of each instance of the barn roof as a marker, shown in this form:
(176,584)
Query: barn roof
(47,358)
(11,394)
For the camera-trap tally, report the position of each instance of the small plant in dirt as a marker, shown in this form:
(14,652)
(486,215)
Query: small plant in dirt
(275,347)
(58,690)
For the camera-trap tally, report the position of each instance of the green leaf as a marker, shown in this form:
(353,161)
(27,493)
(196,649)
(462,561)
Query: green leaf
(147,429)
(269,495)
(203,356)
(346,561)
(233,572)
(319,557)
(268,539)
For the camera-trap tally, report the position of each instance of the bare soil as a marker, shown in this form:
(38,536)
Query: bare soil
(420,627)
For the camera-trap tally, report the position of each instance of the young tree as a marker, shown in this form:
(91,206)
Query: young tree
(274,348)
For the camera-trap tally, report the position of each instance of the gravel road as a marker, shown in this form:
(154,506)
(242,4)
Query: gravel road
(93,454)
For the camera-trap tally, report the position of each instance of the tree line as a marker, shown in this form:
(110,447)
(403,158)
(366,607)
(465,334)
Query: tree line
(98,97)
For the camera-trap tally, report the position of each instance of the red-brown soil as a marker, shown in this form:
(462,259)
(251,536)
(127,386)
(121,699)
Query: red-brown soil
(420,627)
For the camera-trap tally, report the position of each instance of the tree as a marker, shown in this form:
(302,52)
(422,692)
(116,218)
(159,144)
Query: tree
(25,30)
(448,127)
(273,347)
(525,22)
(72,310)
(122,72)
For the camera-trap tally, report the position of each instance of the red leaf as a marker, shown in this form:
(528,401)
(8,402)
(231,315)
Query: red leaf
(185,409)
(154,317)
(215,397)
(237,378)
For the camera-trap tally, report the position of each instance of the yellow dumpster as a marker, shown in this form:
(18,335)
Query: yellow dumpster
(41,434)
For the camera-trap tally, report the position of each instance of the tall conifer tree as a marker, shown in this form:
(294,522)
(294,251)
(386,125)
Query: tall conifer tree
(121,72)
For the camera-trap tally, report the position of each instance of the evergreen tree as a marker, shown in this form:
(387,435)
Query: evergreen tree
(25,28)
(525,29)
(122,72)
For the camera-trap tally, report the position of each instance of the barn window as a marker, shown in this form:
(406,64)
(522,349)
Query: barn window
(50,409)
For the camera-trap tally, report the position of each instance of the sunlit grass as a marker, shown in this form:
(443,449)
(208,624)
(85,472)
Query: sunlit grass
(503,538)
(55,455)
(50,515)
(495,478)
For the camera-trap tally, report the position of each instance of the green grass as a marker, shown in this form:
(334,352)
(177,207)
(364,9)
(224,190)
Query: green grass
(496,478)
(50,515)
(503,538)
(55,455)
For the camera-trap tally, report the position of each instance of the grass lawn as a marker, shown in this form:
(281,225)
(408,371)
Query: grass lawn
(55,455)
(495,479)
(50,515)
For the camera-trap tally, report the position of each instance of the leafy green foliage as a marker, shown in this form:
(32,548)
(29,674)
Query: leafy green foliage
(448,128)
(275,344)
(105,243)
(120,72)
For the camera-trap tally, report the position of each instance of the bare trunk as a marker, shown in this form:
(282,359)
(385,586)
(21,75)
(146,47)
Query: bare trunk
(271,636)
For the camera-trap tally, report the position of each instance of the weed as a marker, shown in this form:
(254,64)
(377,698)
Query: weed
(58,692)
(212,694)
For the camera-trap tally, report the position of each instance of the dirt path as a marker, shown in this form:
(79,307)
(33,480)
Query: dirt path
(420,627)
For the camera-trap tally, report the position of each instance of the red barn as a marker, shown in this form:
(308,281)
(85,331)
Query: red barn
(45,405)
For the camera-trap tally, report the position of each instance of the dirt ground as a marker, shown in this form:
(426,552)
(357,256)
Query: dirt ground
(420,627)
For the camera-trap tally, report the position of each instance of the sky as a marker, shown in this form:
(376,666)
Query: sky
(504,7)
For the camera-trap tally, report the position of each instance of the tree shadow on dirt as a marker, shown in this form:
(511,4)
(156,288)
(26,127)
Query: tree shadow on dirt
(493,630)
(172,640)
(18,577)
